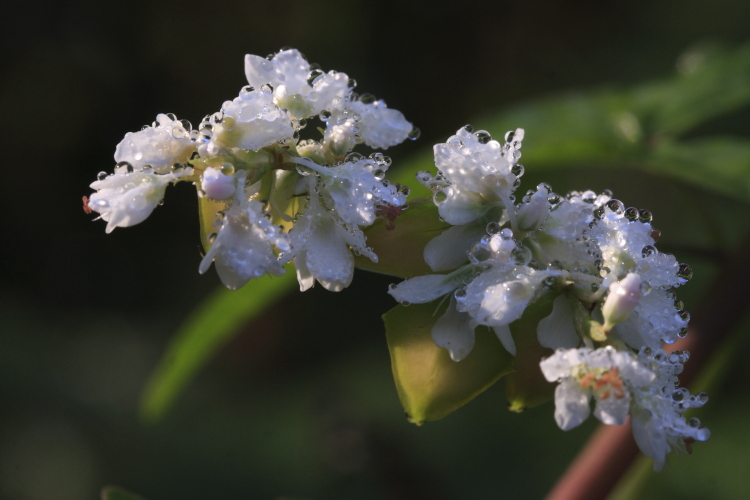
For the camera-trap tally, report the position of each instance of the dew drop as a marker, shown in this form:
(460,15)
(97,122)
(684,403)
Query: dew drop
(682,333)
(101,176)
(644,215)
(483,137)
(631,214)
(414,134)
(440,196)
(517,170)
(211,238)
(227,169)
(685,272)
(648,251)
(493,228)
(616,206)
(521,255)
(509,136)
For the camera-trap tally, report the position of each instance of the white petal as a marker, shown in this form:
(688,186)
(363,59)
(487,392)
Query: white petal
(503,333)
(423,289)
(304,276)
(328,257)
(448,250)
(461,206)
(612,410)
(255,122)
(260,70)
(454,331)
(160,147)
(650,437)
(558,330)
(571,404)
(382,127)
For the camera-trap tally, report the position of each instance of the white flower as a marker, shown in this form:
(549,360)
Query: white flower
(654,320)
(125,199)
(159,146)
(290,76)
(244,246)
(251,121)
(479,174)
(342,198)
(604,374)
(656,418)
(321,244)
(372,123)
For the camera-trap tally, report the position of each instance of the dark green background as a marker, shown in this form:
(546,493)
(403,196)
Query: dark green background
(302,404)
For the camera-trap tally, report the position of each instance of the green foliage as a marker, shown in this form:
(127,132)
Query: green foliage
(429,383)
(646,127)
(217,321)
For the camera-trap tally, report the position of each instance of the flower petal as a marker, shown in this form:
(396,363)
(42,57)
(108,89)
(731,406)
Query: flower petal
(448,250)
(423,289)
(454,331)
(503,333)
(612,410)
(558,330)
(571,404)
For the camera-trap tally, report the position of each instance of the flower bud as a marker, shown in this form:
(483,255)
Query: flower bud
(623,297)
(217,185)
(534,212)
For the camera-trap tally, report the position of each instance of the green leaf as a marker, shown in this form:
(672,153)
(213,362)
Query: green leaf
(400,249)
(526,386)
(216,321)
(715,82)
(721,164)
(116,493)
(430,384)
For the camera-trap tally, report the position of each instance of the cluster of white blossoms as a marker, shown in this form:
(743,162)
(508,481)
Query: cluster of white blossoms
(276,198)
(269,198)
(613,303)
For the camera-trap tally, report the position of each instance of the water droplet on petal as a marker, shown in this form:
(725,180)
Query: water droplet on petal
(685,272)
(644,215)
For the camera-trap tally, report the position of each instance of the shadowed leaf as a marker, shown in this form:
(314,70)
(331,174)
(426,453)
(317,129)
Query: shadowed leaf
(204,332)
(400,249)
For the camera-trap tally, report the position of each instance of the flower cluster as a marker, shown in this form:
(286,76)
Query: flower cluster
(276,198)
(612,291)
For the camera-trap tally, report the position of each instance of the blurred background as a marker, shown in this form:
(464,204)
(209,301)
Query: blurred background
(301,404)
